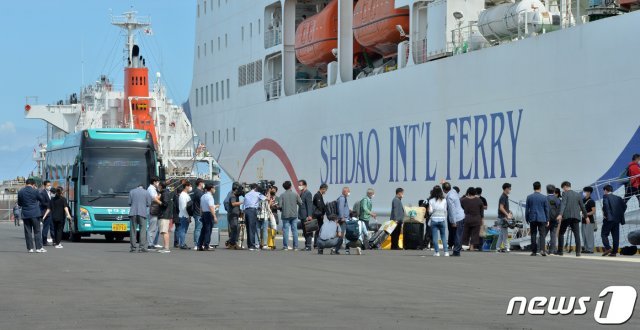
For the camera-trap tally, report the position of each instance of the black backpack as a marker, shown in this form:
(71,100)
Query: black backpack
(227,202)
(332,210)
(190,208)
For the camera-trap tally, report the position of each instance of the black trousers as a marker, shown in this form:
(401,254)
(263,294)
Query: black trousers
(574,224)
(613,228)
(58,227)
(538,235)
(395,236)
(317,233)
(32,233)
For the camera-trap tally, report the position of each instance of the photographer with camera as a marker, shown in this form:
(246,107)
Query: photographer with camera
(232,206)
(252,201)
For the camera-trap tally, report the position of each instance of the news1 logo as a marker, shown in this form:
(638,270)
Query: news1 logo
(621,305)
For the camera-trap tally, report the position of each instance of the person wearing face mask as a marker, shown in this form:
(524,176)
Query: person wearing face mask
(343,210)
(305,212)
(319,210)
(185,219)
(47,226)
(366,207)
(588,221)
(633,172)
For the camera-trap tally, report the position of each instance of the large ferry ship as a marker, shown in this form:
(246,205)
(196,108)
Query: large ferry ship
(406,93)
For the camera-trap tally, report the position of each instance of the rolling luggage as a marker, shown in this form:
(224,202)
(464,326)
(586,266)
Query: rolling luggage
(377,239)
(215,237)
(413,234)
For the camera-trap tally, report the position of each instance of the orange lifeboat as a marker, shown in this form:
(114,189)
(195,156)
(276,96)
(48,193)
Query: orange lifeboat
(317,36)
(374,25)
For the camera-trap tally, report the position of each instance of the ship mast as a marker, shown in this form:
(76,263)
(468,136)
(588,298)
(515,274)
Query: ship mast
(130,23)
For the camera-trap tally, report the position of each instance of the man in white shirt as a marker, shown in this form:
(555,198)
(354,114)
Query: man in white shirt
(208,205)
(152,231)
(183,215)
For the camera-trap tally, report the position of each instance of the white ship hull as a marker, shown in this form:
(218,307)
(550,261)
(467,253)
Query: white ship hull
(559,106)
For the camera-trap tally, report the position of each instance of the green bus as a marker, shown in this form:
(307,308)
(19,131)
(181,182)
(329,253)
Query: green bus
(97,168)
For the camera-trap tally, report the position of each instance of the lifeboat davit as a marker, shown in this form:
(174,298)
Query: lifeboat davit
(374,25)
(317,36)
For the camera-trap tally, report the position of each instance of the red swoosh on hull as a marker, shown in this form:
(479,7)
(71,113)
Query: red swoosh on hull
(273,147)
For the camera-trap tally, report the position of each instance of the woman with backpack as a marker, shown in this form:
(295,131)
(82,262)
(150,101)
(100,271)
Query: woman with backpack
(438,211)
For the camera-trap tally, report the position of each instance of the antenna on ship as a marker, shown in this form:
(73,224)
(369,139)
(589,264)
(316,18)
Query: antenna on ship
(131,23)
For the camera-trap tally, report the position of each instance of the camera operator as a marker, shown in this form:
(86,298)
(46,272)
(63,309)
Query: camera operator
(232,206)
(251,202)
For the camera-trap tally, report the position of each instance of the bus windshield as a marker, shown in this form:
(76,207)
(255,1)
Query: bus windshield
(109,175)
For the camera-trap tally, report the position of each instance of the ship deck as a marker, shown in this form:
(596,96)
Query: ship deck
(98,285)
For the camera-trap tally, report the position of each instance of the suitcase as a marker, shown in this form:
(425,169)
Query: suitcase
(413,234)
(271,240)
(215,237)
(377,239)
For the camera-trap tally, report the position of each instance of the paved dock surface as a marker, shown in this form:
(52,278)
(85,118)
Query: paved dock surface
(98,285)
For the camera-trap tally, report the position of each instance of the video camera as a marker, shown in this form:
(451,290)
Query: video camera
(240,189)
(265,185)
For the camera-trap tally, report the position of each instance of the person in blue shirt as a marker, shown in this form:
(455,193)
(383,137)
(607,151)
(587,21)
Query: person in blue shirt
(251,202)
(208,207)
(537,215)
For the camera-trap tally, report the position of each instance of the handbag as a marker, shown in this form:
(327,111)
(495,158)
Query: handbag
(154,209)
(311,226)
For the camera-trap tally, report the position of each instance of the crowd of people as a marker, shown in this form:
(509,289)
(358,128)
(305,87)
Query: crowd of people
(456,220)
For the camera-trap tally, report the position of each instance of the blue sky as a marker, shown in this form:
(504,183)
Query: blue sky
(45,43)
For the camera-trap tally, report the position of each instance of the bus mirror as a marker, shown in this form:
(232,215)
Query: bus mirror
(74,174)
(162,173)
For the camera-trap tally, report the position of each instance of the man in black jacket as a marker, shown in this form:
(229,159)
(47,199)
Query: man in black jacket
(613,208)
(305,212)
(30,200)
(319,210)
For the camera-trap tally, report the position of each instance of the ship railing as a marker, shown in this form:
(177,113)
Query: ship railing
(273,89)
(180,153)
(305,85)
(272,38)
(461,39)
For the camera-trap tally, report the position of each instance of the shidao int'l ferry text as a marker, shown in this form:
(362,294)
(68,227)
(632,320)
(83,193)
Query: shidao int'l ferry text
(405,93)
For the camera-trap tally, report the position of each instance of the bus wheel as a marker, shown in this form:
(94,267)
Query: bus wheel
(109,237)
(119,238)
(76,237)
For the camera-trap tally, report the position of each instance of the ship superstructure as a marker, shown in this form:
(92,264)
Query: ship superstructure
(406,93)
(142,104)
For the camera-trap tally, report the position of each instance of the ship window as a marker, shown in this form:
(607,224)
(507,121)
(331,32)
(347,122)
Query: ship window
(228,88)
(242,33)
(227,135)
(222,89)
(198,10)
(211,46)
(250,30)
(217,88)
(258,70)
(218,3)
(197,97)
(132,81)
(211,93)
(218,43)
(198,51)
(213,137)
(259,27)
(219,136)
(234,134)
(205,7)
(242,73)
(207,93)
(201,95)
(204,47)
(226,41)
